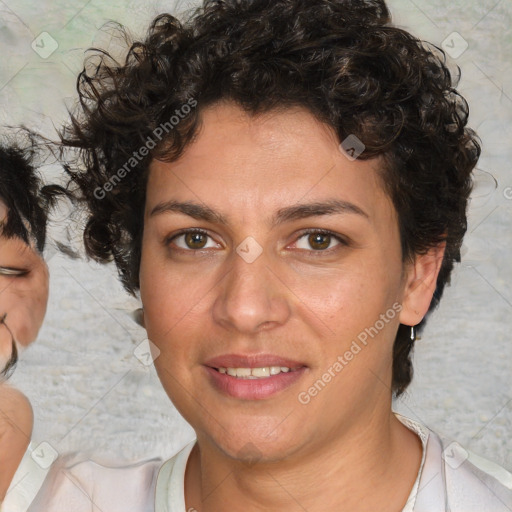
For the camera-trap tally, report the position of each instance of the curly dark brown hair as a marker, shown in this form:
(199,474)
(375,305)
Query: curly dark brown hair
(342,60)
(21,190)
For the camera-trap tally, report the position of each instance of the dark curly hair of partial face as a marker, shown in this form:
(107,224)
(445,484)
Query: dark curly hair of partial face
(342,60)
(21,191)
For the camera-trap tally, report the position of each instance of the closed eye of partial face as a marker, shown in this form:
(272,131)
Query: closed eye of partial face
(13,272)
(16,258)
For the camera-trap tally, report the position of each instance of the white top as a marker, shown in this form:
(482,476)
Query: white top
(450,479)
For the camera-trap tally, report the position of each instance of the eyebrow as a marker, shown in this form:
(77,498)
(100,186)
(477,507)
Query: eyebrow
(287,214)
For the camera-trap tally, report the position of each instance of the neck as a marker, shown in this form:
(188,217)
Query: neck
(372,467)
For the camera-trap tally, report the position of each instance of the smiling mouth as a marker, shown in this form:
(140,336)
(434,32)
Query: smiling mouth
(256,373)
(246,378)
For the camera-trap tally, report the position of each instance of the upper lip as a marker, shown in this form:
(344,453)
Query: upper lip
(251,361)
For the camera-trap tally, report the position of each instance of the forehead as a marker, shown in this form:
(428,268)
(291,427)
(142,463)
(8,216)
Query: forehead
(253,163)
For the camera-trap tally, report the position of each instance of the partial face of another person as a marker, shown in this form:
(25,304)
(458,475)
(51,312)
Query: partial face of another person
(23,291)
(265,246)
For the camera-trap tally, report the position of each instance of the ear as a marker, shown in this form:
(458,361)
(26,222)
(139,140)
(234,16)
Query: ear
(138,316)
(420,284)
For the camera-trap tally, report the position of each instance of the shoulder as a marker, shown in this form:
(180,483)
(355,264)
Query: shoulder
(459,480)
(171,481)
(475,483)
(75,482)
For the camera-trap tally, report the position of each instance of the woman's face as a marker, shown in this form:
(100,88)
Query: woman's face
(254,289)
(22,297)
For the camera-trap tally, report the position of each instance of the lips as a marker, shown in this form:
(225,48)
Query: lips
(252,361)
(249,389)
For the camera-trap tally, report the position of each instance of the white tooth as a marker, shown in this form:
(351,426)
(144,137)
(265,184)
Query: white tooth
(243,372)
(261,372)
(254,373)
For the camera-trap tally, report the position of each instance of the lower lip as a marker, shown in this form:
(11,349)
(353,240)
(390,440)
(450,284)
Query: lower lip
(253,389)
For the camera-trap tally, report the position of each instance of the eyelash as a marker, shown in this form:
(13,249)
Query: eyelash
(13,272)
(314,252)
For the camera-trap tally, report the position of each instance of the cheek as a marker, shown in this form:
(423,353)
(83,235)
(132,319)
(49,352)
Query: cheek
(174,321)
(330,304)
(169,296)
(25,320)
(39,312)
(5,346)
(26,310)
(348,296)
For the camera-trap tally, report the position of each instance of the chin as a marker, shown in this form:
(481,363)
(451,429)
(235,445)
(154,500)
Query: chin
(249,443)
(262,453)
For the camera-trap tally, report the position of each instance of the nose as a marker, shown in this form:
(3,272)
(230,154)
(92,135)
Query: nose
(252,296)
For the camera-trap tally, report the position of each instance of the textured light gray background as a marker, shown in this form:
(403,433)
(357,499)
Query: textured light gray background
(89,391)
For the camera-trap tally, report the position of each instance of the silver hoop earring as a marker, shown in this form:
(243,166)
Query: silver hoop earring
(413,333)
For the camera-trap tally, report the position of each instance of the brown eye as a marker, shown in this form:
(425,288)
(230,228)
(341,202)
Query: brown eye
(195,240)
(319,241)
(190,240)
